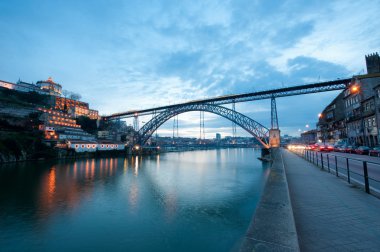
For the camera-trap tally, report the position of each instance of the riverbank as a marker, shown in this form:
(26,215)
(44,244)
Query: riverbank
(22,154)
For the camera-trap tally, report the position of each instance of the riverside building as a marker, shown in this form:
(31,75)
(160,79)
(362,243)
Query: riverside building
(354,115)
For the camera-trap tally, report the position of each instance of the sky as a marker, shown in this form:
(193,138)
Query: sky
(126,54)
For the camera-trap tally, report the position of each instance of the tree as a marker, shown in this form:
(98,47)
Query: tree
(75,96)
(87,124)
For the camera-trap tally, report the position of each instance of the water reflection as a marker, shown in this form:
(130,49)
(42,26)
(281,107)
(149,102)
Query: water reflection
(209,195)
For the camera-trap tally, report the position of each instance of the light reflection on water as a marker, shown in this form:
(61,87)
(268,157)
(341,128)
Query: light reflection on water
(186,201)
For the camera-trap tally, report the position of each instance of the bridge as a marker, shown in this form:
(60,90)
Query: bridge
(267,137)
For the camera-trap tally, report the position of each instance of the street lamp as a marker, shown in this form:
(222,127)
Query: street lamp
(355,88)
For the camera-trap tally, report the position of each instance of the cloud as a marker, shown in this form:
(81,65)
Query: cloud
(341,36)
(124,55)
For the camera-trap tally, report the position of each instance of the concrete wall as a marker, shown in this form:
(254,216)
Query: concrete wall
(272,227)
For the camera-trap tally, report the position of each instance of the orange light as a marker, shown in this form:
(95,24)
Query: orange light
(355,88)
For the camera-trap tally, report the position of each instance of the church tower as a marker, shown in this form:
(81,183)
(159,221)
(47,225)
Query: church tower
(373,63)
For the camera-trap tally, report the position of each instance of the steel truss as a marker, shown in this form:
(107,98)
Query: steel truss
(227,99)
(257,130)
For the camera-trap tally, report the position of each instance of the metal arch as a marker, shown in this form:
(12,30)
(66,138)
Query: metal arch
(256,129)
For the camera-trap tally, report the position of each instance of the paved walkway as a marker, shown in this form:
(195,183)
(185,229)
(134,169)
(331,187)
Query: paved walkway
(330,215)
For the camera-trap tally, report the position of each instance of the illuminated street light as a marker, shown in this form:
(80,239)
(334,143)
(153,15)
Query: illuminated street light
(307,125)
(355,88)
(320,115)
(137,147)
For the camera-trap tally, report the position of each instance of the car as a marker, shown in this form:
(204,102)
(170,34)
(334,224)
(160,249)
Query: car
(374,152)
(349,149)
(336,147)
(313,147)
(325,147)
(362,150)
(341,148)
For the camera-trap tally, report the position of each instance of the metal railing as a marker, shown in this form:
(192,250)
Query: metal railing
(363,173)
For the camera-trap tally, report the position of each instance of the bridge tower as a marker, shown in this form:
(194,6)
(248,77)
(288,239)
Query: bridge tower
(136,122)
(274,132)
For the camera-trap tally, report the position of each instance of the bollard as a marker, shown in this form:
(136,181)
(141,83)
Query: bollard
(336,166)
(321,161)
(328,163)
(365,172)
(348,171)
(316,157)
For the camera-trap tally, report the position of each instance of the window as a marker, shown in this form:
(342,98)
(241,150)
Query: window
(77,145)
(82,145)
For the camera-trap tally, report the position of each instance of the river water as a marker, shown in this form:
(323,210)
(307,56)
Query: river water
(187,201)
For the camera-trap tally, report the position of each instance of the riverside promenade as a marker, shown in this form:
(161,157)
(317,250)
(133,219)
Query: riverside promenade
(329,213)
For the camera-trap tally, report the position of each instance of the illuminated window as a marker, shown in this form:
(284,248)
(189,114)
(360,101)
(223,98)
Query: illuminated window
(88,146)
(107,145)
(93,146)
(102,145)
(82,145)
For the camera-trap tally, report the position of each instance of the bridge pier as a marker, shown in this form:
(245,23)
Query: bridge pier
(274,138)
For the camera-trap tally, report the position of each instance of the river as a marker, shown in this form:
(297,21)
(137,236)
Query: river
(185,201)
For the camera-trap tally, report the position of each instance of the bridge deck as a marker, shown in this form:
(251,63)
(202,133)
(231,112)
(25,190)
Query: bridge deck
(227,99)
(329,214)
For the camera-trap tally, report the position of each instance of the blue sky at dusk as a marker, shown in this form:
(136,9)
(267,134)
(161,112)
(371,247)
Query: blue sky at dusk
(122,55)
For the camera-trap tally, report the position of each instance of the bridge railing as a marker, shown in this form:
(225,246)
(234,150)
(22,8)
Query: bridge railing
(358,172)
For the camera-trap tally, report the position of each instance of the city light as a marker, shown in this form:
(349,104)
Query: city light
(355,88)
(319,115)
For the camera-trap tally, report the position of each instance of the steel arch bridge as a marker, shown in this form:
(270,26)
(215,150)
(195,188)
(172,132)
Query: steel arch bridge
(257,130)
